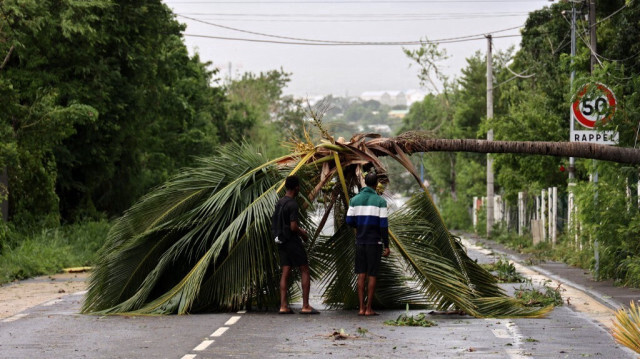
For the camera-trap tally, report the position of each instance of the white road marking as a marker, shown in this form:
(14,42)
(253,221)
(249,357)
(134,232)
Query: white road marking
(233,320)
(202,346)
(242,311)
(52,302)
(219,331)
(15,317)
(80,292)
(516,352)
(501,333)
(188,356)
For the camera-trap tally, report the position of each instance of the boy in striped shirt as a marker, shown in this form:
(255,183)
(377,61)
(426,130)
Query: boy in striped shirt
(368,214)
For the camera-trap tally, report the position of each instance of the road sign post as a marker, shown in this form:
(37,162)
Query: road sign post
(595,104)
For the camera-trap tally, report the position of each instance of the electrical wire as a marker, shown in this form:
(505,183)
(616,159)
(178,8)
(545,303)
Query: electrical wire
(394,43)
(522,76)
(610,15)
(300,41)
(355,15)
(352,2)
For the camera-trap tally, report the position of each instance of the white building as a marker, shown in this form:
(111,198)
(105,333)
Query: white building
(394,98)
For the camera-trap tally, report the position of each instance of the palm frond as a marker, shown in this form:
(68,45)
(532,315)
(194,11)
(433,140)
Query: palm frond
(217,227)
(626,327)
(202,242)
(439,272)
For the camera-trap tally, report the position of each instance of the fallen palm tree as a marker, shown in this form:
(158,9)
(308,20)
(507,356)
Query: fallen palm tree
(201,242)
(626,327)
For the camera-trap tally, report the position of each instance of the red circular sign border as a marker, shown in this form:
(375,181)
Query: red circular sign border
(576,105)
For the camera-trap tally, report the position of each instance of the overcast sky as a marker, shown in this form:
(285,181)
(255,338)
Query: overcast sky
(342,70)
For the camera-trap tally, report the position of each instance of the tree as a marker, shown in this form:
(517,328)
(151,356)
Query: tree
(103,102)
(199,256)
(259,112)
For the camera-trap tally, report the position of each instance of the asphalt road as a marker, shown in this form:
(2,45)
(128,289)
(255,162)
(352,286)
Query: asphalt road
(56,330)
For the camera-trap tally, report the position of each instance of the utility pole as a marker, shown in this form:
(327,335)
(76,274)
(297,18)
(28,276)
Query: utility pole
(572,166)
(592,33)
(593,42)
(489,136)
(571,215)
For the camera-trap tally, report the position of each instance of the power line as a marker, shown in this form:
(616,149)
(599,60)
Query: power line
(300,41)
(356,15)
(396,43)
(376,18)
(335,21)
(353,2)
(610,15)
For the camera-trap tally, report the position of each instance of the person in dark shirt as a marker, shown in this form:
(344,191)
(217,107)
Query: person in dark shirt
(368,214)
(290,249)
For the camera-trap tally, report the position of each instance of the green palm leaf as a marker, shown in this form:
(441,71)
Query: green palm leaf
(203,235)
(202,242)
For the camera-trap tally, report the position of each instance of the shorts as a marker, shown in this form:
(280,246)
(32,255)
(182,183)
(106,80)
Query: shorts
(368,257)
(292,253)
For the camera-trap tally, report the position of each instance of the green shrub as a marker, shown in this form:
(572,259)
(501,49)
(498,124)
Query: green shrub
(628,272)
(511,239)
(47,251)
(456,214)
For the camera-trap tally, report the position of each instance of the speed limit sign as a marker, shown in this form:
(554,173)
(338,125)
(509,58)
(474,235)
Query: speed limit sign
(594,105)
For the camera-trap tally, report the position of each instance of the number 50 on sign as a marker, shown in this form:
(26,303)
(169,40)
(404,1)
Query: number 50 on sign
(593,106)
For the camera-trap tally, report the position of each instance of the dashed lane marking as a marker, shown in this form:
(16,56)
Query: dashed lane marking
(15,317)
(202,346)
(206,343)
(219,331)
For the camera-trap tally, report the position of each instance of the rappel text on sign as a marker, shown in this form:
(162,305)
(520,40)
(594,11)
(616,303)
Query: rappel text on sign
(605,137)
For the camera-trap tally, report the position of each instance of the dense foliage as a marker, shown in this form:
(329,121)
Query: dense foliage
(534,106)
(101,102)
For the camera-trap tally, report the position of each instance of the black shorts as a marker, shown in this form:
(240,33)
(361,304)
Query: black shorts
(292,253)
(368,258)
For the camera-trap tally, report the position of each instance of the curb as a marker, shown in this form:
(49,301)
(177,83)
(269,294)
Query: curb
(608,302)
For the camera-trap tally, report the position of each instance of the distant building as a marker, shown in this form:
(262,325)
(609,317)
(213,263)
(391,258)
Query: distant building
(398,113)
(394,98)
(379,128)
(414,96)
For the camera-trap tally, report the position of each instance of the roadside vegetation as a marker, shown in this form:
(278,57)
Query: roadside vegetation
(45,251)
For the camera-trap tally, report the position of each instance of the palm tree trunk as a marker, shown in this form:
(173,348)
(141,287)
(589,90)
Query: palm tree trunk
(412,142)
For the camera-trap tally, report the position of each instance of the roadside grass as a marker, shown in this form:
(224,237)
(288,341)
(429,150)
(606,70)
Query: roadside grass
(47,251)
(563,251)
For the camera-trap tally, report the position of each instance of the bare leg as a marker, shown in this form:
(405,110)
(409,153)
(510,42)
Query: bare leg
(306,286)
(361,279)
(284,279)
(370,291)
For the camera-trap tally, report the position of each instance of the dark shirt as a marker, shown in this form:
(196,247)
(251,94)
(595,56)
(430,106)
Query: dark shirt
(289,214)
